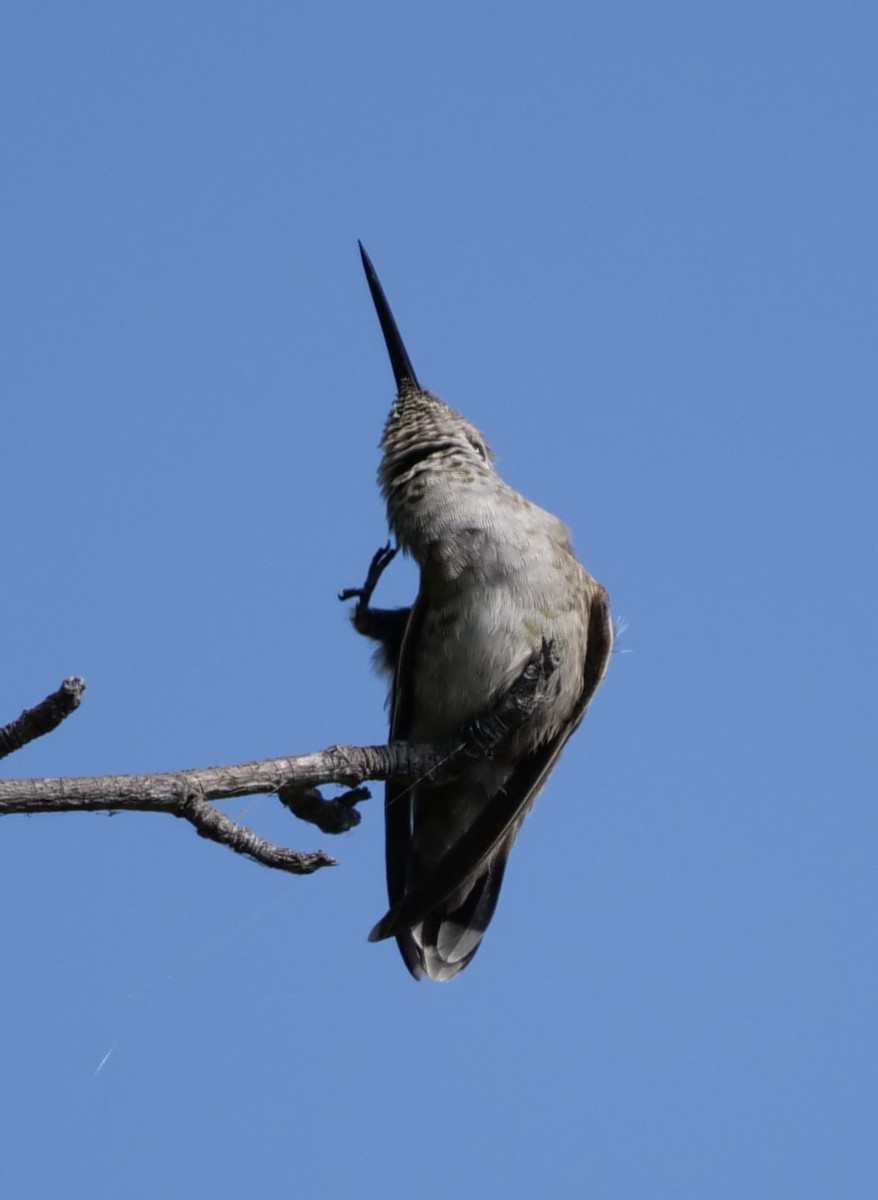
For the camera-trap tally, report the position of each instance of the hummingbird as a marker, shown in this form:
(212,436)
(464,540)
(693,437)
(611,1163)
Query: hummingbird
(499,583)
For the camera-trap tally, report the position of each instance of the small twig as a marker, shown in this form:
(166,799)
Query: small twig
(331,816)
(216,827)
(36,722)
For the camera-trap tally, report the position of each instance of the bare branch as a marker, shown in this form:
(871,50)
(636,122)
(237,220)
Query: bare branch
(217,827)
(43,717)
(191,795)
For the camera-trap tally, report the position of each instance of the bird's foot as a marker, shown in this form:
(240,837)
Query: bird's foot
(484,734)
(381,560)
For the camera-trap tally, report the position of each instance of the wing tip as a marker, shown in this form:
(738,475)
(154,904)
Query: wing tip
(378,933)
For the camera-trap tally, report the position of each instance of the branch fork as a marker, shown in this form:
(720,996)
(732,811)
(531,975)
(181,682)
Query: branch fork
(192,795)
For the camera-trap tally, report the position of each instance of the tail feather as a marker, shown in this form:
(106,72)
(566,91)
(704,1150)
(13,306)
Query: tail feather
(445,941)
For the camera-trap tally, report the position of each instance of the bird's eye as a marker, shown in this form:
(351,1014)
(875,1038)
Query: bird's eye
(479,448)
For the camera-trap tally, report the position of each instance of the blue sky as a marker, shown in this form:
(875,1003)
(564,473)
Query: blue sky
(635,244)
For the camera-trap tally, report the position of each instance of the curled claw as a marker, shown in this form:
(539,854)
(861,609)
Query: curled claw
(483,735)
(381,560)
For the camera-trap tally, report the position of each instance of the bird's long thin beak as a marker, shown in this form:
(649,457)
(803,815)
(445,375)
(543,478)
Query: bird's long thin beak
(403,371)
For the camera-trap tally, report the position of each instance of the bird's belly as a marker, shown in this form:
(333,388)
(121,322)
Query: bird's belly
(468,658)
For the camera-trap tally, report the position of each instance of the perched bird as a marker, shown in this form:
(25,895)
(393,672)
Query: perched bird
(499,582)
